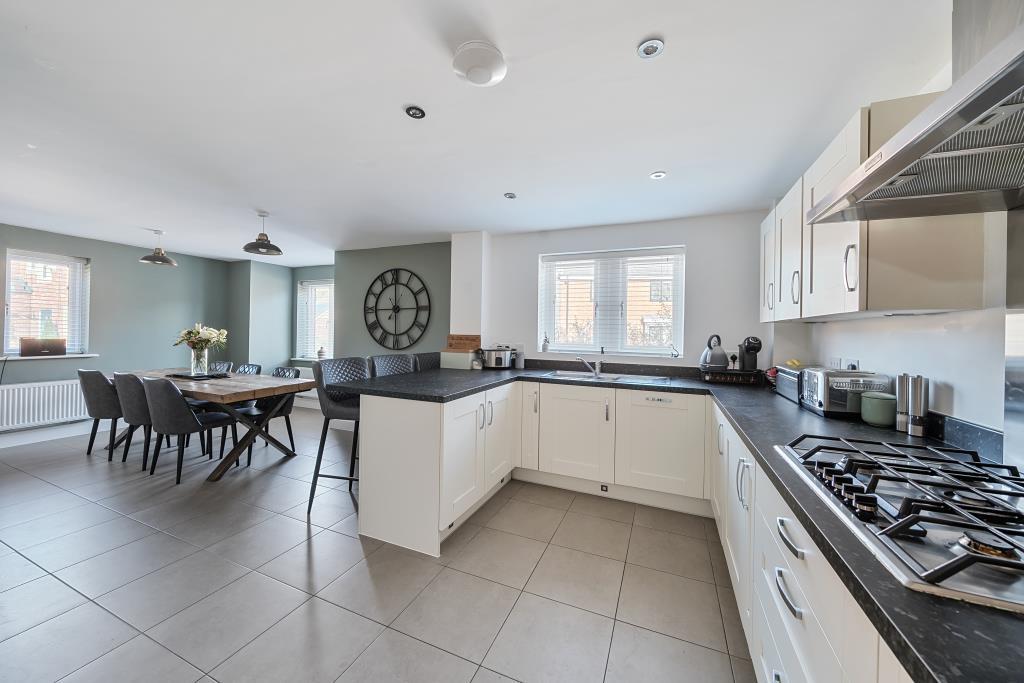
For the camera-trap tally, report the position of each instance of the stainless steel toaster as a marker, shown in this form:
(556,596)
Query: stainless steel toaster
(836,393)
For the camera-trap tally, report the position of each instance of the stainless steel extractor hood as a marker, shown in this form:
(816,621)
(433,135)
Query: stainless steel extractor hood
(963,154)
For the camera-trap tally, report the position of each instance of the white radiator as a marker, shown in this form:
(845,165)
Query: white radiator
(40,403)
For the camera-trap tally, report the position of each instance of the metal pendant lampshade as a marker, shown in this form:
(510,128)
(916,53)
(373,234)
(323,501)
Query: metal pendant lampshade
(262,244)
(159,257)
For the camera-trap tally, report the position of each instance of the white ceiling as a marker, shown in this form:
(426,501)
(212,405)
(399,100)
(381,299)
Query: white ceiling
(190,115)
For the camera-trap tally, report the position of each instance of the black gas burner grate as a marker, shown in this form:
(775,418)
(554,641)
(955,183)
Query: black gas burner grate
(919,487)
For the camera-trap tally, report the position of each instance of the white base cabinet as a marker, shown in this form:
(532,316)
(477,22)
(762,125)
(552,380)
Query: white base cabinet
(503,431)
(463,464)
(577,431)
(531,425)
(738,527)
(659,441)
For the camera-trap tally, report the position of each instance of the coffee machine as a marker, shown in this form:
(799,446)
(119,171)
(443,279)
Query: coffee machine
(748,350)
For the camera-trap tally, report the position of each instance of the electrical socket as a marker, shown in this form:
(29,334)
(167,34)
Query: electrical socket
(851,364)
(835,362)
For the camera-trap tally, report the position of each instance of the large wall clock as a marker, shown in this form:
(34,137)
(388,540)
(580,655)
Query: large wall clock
(397,308)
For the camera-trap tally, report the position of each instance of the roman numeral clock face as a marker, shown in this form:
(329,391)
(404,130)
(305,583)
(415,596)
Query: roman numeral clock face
(397,308)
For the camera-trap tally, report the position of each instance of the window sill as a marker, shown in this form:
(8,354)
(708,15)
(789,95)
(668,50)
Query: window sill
(306,360)
(65,356)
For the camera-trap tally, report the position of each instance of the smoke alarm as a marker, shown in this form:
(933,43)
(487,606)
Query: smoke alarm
(480,63)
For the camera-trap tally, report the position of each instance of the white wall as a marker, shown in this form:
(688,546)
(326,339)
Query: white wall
(721,281)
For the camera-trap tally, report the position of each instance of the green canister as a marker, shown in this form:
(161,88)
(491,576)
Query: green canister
(878,408)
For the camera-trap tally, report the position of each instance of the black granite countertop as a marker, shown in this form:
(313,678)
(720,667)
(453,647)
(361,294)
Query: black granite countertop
(935,638)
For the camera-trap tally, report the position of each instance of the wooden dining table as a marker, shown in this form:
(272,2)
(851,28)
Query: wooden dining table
(226,392)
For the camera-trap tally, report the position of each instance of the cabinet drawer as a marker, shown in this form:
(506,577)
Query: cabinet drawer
(811,570)
(767,659)
(789,611)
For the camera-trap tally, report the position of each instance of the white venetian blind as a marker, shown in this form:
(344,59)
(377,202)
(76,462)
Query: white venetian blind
(624,301)
(46,296)
(314,320)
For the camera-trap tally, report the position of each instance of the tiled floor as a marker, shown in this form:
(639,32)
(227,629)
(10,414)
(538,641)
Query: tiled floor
(107,574)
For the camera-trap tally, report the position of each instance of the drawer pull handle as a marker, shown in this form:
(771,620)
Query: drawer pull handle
(490,406)
(798,553)
(781,587)
(535,401)
(607,415)
(777,677)
(483,415)
(721,448)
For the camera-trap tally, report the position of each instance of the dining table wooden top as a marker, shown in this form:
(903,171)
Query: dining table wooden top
(234,387)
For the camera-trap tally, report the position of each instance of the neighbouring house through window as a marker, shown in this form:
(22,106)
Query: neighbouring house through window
(46,296)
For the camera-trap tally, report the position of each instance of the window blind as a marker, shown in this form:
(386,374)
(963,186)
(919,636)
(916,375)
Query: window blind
(627,302)
(46,296)
(314,320)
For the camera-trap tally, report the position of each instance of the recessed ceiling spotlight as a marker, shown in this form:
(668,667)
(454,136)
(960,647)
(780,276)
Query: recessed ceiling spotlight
(658,175)
(651,48)
(510,195)
(415,112)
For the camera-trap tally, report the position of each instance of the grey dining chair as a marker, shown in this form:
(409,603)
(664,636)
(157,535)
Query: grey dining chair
(221,366)
(430,360)
(172,415)
(135,409)
(393,364)
(101,403)
(265,405)
(249,369)
(338,406)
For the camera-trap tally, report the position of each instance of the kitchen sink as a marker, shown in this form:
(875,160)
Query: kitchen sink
(606,377)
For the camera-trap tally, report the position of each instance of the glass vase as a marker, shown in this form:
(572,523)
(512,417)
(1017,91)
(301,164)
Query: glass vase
(200,361)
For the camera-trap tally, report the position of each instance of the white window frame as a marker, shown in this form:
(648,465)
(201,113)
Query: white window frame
(78,297)
(611,287)
(304,318)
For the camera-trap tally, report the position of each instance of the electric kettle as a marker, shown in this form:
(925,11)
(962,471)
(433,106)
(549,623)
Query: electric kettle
(714,357)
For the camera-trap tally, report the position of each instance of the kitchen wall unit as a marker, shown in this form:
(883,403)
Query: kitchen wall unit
(789,225)
(768,268)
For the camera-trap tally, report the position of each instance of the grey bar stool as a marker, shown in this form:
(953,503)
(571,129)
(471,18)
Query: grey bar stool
(338,406)
(430,360)
(135,409)
(393,364)
(172,415)
(101,403)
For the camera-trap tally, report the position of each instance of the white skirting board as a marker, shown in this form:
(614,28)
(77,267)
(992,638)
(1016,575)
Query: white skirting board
(668,501)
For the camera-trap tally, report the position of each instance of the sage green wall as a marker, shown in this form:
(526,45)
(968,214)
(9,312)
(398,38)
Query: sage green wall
(135,310)
(271,315)
(236,297)
(354,270)
(298,274)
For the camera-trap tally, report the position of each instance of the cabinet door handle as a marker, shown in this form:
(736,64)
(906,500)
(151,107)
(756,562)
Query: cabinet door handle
(777,677)
(720,448)
(846,267)
(780,523)
(771,296)
(607,414)
(746,468)
(780,586)
(535,401)
(794,290)
(483,415)
(490,406)
(736,481)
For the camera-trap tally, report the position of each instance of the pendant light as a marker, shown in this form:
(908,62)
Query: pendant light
(262,244)
(159,257)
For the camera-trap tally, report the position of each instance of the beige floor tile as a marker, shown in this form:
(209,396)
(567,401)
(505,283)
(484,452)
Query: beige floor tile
(285,495)
(669,520)
(315,644)
(543,640)
(35,508)
(668,552)
(457,541)
(259,544)
(140,660)
(67,550)
(545,495)
(743,671)
(16,570)
(115,568)
(458,613)
(526,519)
(55,525)
(718,564)
(488,510)
(396,658)
(313,564)
(206,530)
(500,557)
(211,630)
(33,603)
(487,676)
(580,579)
(84,633)
(734,636)
(382,585)
(609,508)
(641,655)
(329,507)
(147,601)
(204,503)
(593,535)
(348,526)
(672,605)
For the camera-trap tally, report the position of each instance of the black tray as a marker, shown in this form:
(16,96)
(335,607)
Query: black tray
(750,377)
(200,377)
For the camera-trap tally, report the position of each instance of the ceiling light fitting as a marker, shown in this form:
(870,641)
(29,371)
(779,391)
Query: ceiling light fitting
(159,257)
(510,195)
(658,175)
(415,112)
(651,48)
(480,63)
(262,244)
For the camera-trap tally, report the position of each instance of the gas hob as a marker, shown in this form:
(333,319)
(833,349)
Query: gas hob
(942,520)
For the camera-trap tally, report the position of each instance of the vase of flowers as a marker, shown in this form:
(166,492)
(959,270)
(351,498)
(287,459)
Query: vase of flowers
(200,339)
